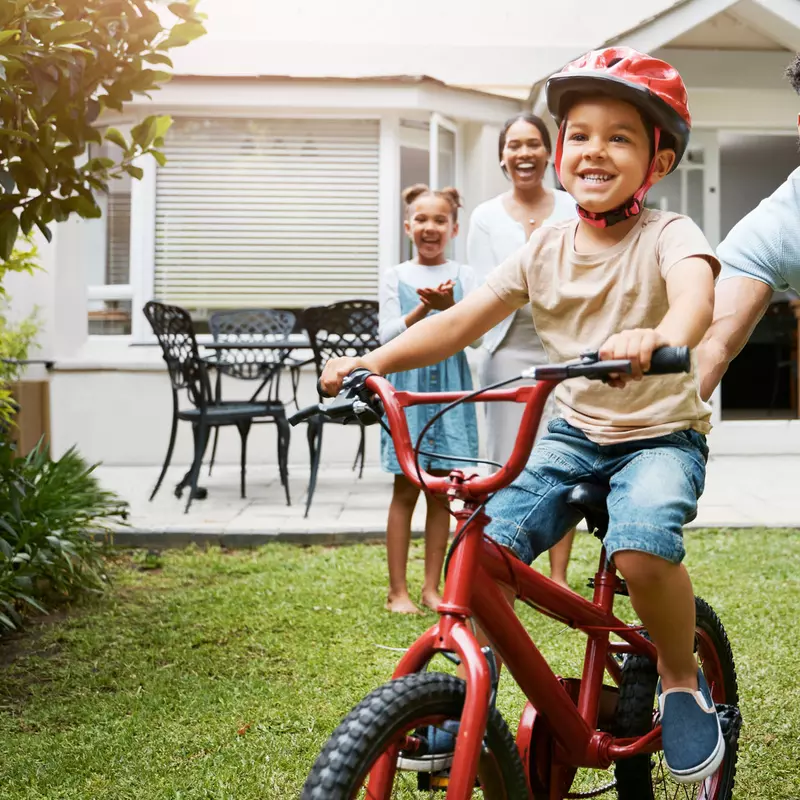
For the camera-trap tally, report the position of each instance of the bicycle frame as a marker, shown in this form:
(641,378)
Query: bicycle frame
(471,591)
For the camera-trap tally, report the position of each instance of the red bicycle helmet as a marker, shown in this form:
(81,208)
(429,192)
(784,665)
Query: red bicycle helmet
(654,87)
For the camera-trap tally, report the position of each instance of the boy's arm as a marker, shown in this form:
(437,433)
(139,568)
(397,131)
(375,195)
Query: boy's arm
(690,293)
(428,342)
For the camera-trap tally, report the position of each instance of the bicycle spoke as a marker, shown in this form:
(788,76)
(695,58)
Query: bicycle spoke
(669,789)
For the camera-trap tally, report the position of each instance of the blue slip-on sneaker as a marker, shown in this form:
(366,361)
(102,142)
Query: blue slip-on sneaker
(690,732)
(436,749)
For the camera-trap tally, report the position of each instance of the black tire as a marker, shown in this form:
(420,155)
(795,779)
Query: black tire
(645,777)
(391,710)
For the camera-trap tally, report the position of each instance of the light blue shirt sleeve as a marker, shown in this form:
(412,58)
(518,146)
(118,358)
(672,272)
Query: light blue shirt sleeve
(765,245)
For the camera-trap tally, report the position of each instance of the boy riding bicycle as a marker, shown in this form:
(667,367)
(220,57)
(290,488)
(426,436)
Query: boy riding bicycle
(628,279)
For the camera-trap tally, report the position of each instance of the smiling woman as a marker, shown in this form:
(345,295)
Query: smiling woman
(498,228)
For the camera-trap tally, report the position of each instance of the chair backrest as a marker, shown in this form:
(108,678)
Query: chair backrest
(347,328)
(174,330)
(249,325)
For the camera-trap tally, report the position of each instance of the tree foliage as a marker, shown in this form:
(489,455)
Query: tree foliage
(63,64)
(15,339)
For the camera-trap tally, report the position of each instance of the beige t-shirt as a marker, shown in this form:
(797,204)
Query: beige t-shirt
(579,300)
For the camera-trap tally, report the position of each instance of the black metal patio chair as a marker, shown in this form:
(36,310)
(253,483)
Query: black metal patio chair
(347,328)
(255,326)
(188,371)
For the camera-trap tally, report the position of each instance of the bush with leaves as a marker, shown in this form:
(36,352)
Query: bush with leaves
(51,512)
(15,339)
(63,63)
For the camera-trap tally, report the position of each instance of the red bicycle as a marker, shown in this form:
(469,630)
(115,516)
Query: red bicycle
(570,726)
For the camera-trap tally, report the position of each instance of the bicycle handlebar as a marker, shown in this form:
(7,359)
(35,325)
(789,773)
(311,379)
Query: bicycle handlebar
(364,396)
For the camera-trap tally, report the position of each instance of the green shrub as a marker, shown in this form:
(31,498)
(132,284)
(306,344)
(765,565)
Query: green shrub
(50,514)
(15,339)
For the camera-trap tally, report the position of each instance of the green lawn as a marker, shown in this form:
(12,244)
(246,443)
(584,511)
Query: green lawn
(220,675)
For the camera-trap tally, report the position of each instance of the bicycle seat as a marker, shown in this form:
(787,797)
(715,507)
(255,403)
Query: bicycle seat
(590,500)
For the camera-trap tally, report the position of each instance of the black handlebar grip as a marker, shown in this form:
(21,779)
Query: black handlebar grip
(320,391)
(304,413)
(669,360)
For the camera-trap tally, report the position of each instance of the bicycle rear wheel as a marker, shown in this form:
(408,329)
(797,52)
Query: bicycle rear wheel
(386,719)
(646,777)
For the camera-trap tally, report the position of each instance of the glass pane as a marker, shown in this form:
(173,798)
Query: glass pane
(110,317)
(447,158)
(117,214)
(118,237)
(414,168)
(666,194)
(694,157)
(694,195)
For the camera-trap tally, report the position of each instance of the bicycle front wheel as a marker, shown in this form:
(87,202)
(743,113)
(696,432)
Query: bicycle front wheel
(387,719)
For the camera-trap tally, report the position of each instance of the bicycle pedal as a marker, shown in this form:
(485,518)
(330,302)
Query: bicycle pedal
(436,781)
(730,721)
(622,587)
(433,781)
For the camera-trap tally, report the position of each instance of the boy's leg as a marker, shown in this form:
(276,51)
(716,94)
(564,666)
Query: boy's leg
(661,594)
(398,538)
(654,492)
(653,495)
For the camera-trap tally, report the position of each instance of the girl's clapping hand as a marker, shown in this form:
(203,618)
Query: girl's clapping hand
(439,298)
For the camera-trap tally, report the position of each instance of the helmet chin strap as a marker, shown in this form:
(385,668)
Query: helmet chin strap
(631,207)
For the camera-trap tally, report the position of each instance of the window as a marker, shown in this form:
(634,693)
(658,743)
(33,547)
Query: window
(267,212)
(427,155)
(682,191)
(108,257)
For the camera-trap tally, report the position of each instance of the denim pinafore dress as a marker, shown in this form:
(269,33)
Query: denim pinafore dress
(456,432)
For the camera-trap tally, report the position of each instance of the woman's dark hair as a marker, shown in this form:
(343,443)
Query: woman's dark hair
(531,119)
(793,73)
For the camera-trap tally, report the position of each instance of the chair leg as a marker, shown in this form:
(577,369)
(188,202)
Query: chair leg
(168,458)
(284,437)
(294,374)
(359,459)
(213,451)
(244,431)
(200,443)
(315,428)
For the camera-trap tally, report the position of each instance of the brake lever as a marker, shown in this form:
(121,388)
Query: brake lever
(592,357)
(354,399)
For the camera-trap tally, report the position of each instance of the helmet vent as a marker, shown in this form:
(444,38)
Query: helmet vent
(614,62)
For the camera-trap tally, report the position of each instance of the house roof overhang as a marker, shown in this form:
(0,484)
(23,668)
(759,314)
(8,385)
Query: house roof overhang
(777,20)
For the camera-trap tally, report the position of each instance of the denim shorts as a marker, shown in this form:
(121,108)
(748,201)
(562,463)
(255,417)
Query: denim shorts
(655,485)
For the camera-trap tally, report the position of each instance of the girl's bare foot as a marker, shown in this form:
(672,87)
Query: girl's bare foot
(431,599)
(563,582)
(401,604)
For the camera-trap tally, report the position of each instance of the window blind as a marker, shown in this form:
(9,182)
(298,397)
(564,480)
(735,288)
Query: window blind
(273,213)
(118,239)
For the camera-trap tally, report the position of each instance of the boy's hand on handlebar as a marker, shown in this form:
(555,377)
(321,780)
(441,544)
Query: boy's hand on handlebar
(336,370)
(635,345)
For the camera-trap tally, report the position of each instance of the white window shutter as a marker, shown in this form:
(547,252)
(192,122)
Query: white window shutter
(267,213)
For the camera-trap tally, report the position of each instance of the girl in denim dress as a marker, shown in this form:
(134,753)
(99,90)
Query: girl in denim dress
(409,292)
